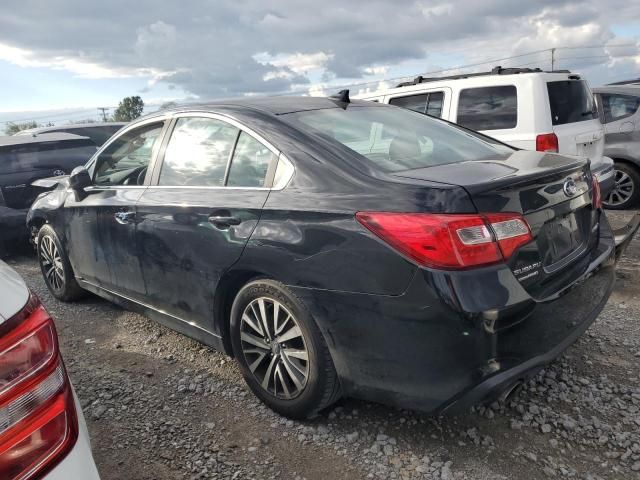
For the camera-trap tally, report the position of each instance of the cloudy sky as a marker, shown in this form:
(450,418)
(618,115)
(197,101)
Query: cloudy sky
(61,59)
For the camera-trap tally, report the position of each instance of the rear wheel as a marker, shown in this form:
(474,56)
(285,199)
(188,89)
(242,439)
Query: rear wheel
(626,192)
(282,354)
(56,269)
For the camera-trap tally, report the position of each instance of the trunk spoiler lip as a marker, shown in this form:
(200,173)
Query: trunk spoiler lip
(623,236)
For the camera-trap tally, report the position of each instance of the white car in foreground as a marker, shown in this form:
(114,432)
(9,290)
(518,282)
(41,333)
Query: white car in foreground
(42,430)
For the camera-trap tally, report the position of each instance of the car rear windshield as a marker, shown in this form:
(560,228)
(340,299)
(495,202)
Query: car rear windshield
(62,155)
(571,101)
(395,139)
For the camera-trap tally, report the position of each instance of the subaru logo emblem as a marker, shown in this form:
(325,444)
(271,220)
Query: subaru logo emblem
(570,188)
(58,173)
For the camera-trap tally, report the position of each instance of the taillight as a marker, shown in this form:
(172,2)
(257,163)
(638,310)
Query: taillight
(450,241)
(596,194)
(38,423)
(547,142)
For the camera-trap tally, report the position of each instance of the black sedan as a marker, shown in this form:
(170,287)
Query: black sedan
(338,248)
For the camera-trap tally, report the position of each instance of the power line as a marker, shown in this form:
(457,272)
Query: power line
(104,112)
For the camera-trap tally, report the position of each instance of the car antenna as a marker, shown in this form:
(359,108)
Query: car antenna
(341,98)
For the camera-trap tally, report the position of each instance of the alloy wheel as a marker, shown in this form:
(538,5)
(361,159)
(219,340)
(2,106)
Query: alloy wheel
(51,263)
(622,191)
(274,348)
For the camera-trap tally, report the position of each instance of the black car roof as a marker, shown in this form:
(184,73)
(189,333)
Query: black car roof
(273,105)
(9,141)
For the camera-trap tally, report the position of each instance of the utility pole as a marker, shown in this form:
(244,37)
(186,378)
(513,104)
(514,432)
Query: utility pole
(104,113)
(553,59)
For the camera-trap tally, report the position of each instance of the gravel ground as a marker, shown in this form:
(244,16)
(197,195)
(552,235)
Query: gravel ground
(161,406)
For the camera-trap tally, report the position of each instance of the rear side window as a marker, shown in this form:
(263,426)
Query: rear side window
(198,153)
(617,107)
(571,101)
(250,164)
(488,108)
(62,155)
(429,103)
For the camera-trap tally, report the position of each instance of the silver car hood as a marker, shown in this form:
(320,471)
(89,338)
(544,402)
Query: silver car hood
(14,293)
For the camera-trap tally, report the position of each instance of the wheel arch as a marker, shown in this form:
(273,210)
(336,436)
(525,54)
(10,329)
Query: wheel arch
(226,292)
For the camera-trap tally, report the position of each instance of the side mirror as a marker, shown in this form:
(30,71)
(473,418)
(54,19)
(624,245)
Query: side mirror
(79,179)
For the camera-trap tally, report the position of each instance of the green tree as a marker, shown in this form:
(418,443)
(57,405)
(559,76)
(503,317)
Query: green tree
(12,127)
(129,109)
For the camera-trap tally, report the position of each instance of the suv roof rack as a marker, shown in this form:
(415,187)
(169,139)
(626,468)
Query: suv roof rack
(635,81)
(494,71)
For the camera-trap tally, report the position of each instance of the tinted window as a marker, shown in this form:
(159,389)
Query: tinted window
(570,101)
(488,108)
(61,155)
(198,152)
(251,161)
(399,139)
(429,103)
(617,107)
(125,160)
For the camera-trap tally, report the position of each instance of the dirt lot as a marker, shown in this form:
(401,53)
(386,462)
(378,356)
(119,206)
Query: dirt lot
(161,406)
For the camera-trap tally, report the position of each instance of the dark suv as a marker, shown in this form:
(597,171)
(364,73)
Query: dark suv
(24,159)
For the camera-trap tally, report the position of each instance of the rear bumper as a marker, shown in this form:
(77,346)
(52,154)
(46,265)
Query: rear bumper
(605,174)
(454,339)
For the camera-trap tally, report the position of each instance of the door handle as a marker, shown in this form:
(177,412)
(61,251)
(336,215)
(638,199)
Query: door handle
(124,217)
(223,221)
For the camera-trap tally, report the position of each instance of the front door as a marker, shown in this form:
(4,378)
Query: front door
(100,231)
(195,222)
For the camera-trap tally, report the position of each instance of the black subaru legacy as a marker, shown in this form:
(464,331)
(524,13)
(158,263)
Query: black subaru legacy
(338,247)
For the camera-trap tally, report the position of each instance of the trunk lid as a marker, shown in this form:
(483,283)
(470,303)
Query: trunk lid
(552,192)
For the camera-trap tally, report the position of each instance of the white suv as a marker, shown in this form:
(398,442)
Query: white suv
(523,107)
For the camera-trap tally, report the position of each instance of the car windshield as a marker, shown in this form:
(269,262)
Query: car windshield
(396,139)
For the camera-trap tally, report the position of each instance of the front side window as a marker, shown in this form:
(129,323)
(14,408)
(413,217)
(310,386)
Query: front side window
(126,159)
(250,164)
(400,139)
(617,107)
(571,101)
(198,153)
(488,108)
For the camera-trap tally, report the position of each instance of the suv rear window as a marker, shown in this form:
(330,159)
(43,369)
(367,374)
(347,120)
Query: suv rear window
(571,101)
(488,108)
(395,139)
(61,155)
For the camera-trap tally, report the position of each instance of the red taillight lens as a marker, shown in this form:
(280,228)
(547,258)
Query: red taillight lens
(596,194)
(450,241)
(547,143)
(38,423)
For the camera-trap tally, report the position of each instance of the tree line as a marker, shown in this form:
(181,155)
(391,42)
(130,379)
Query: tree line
(128,109)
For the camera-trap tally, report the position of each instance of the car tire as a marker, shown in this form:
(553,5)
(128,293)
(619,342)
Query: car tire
(626,192)
(55,267)
(281,334)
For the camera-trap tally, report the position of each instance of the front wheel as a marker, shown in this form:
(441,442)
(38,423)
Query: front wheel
(626,192)
(56,269)
(281,352)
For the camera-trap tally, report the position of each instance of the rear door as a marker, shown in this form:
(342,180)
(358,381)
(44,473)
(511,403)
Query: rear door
(574,118)
(194,222)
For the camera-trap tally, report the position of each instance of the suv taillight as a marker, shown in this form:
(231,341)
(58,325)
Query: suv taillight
(38,422)
(596,194)
(450,241)
(547,143)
